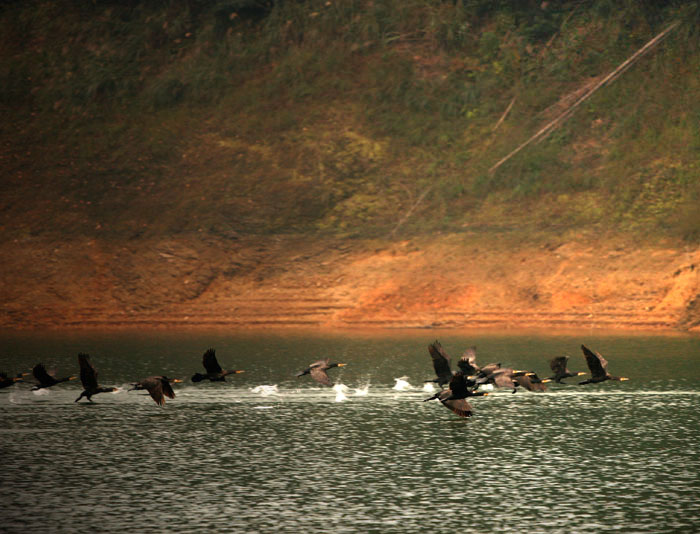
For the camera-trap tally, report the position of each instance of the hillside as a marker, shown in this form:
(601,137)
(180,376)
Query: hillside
(327,164)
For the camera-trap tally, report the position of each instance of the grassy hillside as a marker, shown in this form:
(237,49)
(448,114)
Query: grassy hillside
(125,119)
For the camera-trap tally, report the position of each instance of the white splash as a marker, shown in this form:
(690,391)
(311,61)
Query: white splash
(265,390)
(486,387)
(362,392)
(428,387)
(401,384)
(41,392)
(340,390)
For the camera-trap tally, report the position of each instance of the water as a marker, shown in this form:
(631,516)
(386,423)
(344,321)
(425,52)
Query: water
(269,452)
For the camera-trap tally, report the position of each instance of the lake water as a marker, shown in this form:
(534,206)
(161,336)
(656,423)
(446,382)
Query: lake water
(293,456)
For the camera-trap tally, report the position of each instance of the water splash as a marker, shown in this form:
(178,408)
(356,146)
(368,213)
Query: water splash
(41,392)
(428,387)
(362,391)
(265,390)
(401,384)
(340,390)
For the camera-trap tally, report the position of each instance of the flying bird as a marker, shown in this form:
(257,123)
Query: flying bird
(214,371)
(455,397)
(88,376)
(7,381)
(599,368)
(46,379)
(158,387)
(560,370)
(318,369)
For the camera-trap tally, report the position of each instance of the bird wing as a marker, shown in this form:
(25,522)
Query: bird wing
(596,363)
(167,388)
(40,373)
(467,362)
(558,365)
(503,378)
(88,373)
(319,374)
(209,362)
(441,361)
(459,406)
(154,385)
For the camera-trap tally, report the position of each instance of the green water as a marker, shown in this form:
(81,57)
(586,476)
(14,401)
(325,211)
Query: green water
(296,457)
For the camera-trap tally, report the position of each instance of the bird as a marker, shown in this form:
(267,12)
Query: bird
(500,377)
(455,397)
(441,364)
(599,368)
(467,363)
(46,379)
(531,381)
(7,381)
(214,371)
(158,387)
(560,370)
(88,376)
(318,369)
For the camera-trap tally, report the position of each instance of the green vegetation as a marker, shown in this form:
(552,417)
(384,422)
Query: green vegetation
(128,118)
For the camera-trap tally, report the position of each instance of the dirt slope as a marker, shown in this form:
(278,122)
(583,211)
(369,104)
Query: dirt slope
(447,281)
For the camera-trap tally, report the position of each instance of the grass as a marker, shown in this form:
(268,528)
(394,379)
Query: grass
(125,119)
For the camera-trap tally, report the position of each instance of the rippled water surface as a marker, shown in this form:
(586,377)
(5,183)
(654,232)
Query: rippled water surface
(269,452)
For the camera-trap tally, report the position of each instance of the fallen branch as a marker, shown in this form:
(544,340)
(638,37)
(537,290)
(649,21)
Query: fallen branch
(505,114)
(546,130)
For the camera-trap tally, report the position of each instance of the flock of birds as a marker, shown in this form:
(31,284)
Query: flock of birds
(461,384)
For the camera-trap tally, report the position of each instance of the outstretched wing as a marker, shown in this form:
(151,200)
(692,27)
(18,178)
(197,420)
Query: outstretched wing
(596,363)
(88,373)
(209,361)
(460,406)
(558,365)
(441,361)
(467,363)
(167,388)
(319,374)
(458,385)
(44,378)
(154,385)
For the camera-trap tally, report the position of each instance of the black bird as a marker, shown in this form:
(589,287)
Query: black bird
(599,368)
(46,379)
(318,369)
(455,397)
(158,387)
(441,364)
(6,381)
(500,377)
(560,370)
(88,376)
(214,371)
(467,363)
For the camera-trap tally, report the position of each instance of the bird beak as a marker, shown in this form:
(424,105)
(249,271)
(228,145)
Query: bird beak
(342,364)
(545,380)
(624,378)
(72,378)
(177,381)
(485,394)
(239,372)
(580,373)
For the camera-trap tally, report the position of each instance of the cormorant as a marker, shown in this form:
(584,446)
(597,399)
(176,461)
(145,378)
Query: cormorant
(598,366)
(455,397)
(88,376)
(318,369)
(214,371)
(6,381)
(46,379)
(158,387)
(500,377)
(560,370)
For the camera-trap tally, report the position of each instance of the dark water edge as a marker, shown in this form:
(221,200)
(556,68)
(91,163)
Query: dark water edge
(294,457)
